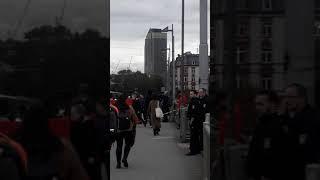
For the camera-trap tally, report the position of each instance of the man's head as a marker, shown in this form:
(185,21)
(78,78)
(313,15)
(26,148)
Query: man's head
(296,97)
(265,102)
(193,93)
(202,92)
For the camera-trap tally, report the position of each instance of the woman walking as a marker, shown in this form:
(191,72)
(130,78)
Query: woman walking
(126,130)
(155,122)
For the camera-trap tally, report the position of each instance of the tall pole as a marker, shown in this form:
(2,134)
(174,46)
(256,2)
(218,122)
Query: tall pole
(107,164)
(182,48)
(173,70)
(203,56)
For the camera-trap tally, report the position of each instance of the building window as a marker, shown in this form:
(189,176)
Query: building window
(267,4)
(193,70)
(185,70)
(266,56)
(267,30)
(243,29)
(185,79)
(241,55)
(266,83)
(193,62)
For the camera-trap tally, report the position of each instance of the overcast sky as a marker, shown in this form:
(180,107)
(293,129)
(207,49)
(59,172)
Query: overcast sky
(79,14)
(131,20)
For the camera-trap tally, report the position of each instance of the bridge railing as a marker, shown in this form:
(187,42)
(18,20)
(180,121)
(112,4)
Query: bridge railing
(206,149)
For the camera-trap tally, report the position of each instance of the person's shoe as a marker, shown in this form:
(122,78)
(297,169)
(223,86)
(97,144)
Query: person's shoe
(125,163)
(118,166)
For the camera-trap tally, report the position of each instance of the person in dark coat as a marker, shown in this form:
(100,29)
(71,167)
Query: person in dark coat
(300,125)
(266,141)
(193,117)
(86,140)
(203,110)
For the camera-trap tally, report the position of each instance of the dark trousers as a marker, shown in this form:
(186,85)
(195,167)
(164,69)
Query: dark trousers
(196,137)
(128,137)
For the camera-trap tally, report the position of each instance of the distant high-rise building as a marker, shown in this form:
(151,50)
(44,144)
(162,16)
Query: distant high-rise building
(155,54)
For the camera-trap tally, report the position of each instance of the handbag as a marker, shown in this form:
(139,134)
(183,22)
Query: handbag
(159,113)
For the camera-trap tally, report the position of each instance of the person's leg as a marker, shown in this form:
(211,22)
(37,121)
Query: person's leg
(201,137)
(192,140)
(129,140)
(119,149)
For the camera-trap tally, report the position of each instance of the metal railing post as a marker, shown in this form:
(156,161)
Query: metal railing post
(206,148)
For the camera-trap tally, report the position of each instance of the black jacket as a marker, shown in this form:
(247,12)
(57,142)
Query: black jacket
(264,148)
(203,107)
(300,142)
(193,108)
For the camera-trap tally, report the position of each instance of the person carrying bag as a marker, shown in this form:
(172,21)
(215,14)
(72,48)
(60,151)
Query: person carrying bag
(155,114)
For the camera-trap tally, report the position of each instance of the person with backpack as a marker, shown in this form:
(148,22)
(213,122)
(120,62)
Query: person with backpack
(155,121)
(48,156)
(86,140)
(127,120)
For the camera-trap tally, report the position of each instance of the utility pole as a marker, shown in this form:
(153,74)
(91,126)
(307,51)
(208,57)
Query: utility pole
(203,56)
(173,63)
(182,49)
(173,69)
(168,70)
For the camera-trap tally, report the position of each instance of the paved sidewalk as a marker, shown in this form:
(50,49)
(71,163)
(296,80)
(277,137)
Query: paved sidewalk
(158,158)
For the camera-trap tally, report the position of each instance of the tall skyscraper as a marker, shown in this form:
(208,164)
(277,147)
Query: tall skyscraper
(155,51)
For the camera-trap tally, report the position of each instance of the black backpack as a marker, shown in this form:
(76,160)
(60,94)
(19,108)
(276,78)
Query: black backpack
(124,120)
(113,123)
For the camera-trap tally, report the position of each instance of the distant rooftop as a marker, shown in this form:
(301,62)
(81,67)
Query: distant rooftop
(155,30)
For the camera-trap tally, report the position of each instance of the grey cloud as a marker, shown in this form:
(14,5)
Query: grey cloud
(45,11)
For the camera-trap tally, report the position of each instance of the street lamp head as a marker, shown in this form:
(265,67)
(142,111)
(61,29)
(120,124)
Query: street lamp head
(165,29)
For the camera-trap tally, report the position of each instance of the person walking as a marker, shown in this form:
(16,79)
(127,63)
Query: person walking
(194,123)
(156,122)
(85,138)
(126,131)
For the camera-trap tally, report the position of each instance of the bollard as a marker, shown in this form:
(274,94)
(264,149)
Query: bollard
(313,172)
(206,149)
